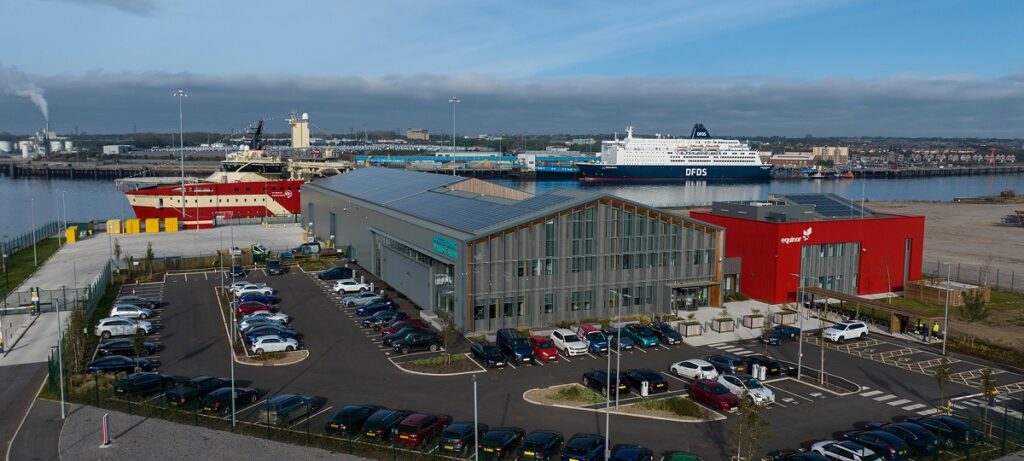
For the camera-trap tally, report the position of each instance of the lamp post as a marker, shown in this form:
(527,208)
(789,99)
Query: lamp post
(799,313)
(234,327)
(60,358)
(618,364)
(35,256)
(476,425)
(454,100)
(945,315)
(180,94)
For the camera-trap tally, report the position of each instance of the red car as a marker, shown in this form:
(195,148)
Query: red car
(419,428)
(249,307)
(399,324)
(543,349)
(713,394)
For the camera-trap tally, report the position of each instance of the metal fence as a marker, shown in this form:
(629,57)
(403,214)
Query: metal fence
(23,241)
(1001,430)
(999,278)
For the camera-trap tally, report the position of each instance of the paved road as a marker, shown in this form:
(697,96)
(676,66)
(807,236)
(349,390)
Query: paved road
(18,388)
(39,437)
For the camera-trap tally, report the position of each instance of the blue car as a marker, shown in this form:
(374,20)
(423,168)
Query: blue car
(118,363)
(886,445)
(584,447)
(597,342)
(631,452)
(375,307)
(270,330)
(260,298)
(640,334)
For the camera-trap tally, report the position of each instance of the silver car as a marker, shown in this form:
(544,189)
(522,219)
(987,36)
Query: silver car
(130,311)
(359,299)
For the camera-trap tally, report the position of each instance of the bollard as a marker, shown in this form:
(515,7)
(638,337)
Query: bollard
(106,429)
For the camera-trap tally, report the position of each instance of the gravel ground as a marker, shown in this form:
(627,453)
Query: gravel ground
(966,233)
(154,439)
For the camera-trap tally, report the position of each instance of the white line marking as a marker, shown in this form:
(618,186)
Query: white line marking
(913,407)
(314,415)
(641,349)
(896,403)
(930,411)
(870,393)
(670,375)
(744,353)
(864,388)
(790,393)
(664,347)
(246,408)
(885,397)
(959,407)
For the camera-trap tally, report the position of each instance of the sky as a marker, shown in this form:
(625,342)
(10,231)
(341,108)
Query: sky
(951,68)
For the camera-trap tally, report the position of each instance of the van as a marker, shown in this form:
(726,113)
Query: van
(595,339)
(514,345)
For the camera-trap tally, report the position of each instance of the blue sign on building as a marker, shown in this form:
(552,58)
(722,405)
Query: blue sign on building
(443,246)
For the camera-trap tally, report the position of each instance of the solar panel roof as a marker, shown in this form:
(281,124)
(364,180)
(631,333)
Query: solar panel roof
(383,185)
(829,205)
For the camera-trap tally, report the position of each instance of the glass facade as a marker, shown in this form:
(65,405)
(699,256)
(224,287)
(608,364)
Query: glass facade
(442,273)
(832,266)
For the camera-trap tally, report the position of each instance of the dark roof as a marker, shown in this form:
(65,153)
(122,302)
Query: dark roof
(829,206)
(427,196)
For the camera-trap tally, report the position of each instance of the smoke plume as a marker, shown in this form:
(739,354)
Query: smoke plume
(16,82)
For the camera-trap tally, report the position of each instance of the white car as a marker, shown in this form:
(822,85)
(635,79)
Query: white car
(360,298)
(694,369)
(741,384)
(121,326)
(274,344)
(263,290)
(276,316)
(130,311)
(349,286)
(847,329)
(844,451)
(568,342)
(239,286)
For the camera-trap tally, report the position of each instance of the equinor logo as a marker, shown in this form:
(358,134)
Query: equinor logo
(805,237)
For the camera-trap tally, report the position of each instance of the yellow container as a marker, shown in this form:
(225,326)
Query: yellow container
(72,234)
(170,224)
(152,225)
(131,226)
(114,226)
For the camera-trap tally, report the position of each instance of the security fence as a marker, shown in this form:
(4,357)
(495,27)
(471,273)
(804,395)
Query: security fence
(20,242)
(995,277)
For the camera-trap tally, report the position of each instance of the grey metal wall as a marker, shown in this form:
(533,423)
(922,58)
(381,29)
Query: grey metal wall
(409,277)
(524,278)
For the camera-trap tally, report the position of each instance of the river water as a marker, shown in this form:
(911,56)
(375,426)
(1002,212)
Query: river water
(99,200)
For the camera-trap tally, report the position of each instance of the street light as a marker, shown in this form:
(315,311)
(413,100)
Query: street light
(618,365)
(476,425)
(454,100)
(945,315)
(181,149)
(799,313)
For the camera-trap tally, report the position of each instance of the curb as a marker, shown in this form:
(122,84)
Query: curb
(718,416)
(305,356)
(420,373)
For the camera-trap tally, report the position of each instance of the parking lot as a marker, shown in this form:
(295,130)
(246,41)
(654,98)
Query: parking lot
(348,365)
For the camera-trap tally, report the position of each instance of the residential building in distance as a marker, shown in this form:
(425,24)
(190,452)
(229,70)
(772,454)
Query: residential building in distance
(838,155)
(417,134)
(793,159)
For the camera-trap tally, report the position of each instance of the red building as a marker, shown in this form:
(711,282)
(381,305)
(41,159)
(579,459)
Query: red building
(821,240)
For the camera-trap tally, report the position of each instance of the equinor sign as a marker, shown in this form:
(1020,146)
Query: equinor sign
(805,237)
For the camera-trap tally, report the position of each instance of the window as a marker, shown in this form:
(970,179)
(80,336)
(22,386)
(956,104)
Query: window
(507,307)
(638,296)
(549,303)
(493,309)
(588,300)
(521,306)
(574,303)
(649,296)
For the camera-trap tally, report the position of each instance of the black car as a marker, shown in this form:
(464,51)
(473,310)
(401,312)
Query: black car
(236,271)
(952,431)
(884,444)
(379,319)
(285,408)
(598,381)
(349,420)
(142,383)
(274,267)
(666,334)
(773,367)
(118,363)
(191,391)
(780,333)
(402,333)
(584,447)
(418,341)
(795,455)
(921,440)
(727,363)
(335,273)
(458,437)
(543,445)
(514,345)
(382,423)
(656,383)
(499,443)
(488,354)
(271,330)
(631,452)
(139,301)
(219,400)
(126,348)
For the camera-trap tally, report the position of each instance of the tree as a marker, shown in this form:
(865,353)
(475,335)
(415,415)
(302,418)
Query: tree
(942,374)
(138,342)
(128,264)
(117,250)
(449,335)
(988,388)
(751,430)
(75,339)
(974,307)
(149,258)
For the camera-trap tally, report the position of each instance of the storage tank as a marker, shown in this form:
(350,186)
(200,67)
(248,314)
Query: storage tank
(69,145)
(6,146)
(56,146)
(25,148)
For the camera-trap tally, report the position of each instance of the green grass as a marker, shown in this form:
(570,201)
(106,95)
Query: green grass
(267,356)
(20,265)
(676,405)
(439,360)
(1000,301)
(577,394)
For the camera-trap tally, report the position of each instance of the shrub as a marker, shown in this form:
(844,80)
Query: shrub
(267,356)
(676,405)
(440,360)
(577,394)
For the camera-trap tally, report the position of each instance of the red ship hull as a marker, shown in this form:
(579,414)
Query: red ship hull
(206,201)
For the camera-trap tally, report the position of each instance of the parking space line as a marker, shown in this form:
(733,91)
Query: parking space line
(896,403)
(670,375)
(641,349)
(790,393)
(588,355)
(664,347)
(566,357)
(314,415)
(248,407)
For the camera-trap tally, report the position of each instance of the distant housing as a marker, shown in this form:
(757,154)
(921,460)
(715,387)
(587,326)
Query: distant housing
(115,149)
(417,134)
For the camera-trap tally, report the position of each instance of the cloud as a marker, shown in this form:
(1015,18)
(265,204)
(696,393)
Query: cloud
(136,7)
(902,105)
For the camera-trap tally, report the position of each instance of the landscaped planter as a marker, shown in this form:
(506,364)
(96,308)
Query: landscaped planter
(753,321)
(723,325)
(785,316)
(689,329)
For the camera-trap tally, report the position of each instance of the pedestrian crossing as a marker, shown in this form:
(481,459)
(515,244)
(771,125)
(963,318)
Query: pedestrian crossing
(895,401)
